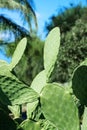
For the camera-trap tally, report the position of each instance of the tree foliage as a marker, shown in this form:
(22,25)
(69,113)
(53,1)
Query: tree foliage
(66,19)
(73,25)
(25,11)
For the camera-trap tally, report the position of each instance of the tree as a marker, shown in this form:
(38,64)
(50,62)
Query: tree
(66,19)
(73,50)
(26,12)
(32,58)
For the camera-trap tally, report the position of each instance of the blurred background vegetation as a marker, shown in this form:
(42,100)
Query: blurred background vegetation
(73,27)
(73,50)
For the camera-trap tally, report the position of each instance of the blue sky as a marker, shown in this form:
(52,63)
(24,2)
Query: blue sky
(44,10)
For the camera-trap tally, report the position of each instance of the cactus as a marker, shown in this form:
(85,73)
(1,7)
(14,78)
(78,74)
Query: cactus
(50,106)
(59,108)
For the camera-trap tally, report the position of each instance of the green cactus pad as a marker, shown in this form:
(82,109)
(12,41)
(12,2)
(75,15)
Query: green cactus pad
(59,108)
(18,53)
(79,84)
(16,91)
(51,49)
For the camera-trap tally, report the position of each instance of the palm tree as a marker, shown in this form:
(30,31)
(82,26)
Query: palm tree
(27,14)
(27,69)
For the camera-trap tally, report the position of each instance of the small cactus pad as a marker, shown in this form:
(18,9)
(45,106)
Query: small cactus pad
(51,49)
(18,53)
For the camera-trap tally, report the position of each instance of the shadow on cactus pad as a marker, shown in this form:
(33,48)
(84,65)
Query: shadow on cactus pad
(79,84)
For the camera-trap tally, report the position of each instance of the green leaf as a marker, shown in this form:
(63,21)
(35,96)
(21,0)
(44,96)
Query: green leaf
(18,53)
(51,49)
(16,91)
(29,125)
(84,122)
(59,108)
(39,82)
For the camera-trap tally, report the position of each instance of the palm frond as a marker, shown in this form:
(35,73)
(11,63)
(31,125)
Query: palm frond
(23,7)
(7,24)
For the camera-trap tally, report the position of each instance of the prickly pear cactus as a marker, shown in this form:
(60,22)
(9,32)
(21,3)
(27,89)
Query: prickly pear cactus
(59,108)
(49,106)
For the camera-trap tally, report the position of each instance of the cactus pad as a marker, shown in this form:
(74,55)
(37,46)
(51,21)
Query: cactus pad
(16,91)
(59,107)
(51,49)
